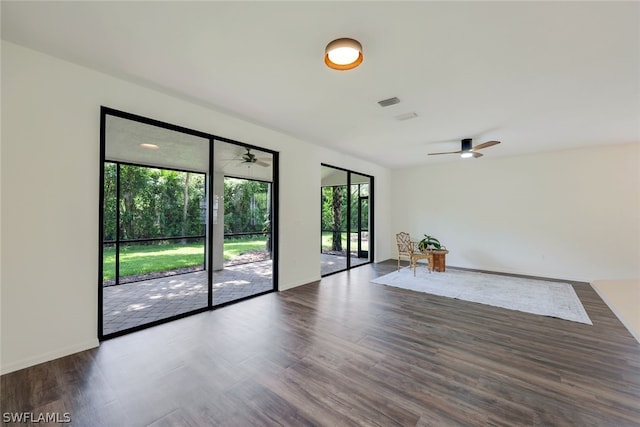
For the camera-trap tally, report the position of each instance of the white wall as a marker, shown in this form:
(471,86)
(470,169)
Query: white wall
(50,181)
(567,214)
(623,298)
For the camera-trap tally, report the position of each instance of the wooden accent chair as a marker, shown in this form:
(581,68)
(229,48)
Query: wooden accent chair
(408,249)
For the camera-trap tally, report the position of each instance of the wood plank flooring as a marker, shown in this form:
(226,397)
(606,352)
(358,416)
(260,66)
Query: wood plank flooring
(344,352)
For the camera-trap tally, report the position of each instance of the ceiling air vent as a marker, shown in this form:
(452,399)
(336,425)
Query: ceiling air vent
(406,116)
(390,101)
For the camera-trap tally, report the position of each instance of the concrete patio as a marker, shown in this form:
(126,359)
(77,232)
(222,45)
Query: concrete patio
(138,303)
(332,263)
(134,304)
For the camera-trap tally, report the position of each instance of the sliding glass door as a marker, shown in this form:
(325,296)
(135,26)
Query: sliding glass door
(359,230)
(154,232)
(242,223)
(188,222)
(346,212)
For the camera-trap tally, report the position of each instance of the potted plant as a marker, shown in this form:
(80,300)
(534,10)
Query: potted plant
(428,243)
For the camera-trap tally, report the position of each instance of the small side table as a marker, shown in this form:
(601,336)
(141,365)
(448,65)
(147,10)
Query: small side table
(438,259)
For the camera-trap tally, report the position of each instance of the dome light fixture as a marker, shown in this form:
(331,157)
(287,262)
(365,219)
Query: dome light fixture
(343,54)
(150,146)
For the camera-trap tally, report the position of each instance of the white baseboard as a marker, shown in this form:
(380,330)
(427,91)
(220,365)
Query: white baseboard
(46,357)
(533,274)
(284,287)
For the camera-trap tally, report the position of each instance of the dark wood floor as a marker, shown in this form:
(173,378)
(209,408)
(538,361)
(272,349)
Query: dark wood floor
(344,351)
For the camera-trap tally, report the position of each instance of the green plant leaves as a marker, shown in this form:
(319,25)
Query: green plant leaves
(429,242)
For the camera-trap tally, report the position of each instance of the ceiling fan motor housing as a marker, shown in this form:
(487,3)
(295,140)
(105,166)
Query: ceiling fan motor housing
(466,144)
(249,157)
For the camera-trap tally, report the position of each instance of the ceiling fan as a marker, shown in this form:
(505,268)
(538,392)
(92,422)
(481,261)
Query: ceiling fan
(467,150)
(250,158)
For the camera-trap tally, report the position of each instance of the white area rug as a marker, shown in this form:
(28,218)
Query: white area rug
(529,295)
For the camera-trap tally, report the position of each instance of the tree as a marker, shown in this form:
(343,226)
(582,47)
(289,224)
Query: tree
(245,205)
(337,218)
(132,180)
(185,206)
(109,202)
(154,203)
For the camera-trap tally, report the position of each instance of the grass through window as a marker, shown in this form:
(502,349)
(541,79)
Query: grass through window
(138,259)
(327,239)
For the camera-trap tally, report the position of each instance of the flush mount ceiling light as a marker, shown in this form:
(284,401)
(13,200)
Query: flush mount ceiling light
(149,146)
(343,54)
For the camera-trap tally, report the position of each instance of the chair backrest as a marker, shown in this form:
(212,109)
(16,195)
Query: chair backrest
(404,243)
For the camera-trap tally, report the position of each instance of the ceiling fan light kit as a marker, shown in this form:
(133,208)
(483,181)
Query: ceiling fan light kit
(466,148)
(343,54)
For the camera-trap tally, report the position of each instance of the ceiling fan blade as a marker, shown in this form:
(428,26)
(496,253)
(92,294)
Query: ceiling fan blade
(485,145)
(261,163)
(476,154)
(447,152)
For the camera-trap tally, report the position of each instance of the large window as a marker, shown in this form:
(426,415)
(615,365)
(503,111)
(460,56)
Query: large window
(346,219)
(187,222)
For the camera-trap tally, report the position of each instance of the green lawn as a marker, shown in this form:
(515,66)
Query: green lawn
(233,248)
(327,239)
(142,259)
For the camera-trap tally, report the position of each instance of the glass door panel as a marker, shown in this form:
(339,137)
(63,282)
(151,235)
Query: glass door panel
(334,201)
(242,231)
(359,230)
(346,203)
(363,228)
(154,224)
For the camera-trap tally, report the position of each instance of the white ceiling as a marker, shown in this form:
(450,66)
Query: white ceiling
(179,150)
(537,76)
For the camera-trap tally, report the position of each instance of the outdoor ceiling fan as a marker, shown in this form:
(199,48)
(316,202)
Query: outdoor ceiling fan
(251,158)
(468,150)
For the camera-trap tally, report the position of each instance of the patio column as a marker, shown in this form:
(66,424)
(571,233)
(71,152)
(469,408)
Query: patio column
(217,241)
